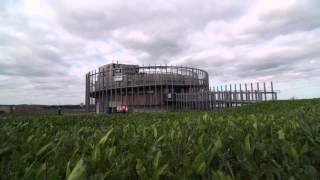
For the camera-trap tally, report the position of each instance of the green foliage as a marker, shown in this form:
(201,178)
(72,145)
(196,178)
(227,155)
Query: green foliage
(78,173)
(272,140)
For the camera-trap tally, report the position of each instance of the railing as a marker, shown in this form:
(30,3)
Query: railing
(217,97)
(103,79)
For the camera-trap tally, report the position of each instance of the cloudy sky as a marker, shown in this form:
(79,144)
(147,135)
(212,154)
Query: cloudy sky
(46,47)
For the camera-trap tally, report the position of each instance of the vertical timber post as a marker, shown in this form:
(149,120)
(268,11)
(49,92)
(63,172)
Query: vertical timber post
(251,92)
(265,91)
(272,92)
(247,95)
(241,95)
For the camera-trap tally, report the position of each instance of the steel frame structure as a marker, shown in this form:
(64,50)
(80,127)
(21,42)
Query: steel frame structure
(165,88)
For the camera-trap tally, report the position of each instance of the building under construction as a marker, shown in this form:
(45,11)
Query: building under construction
(163,88)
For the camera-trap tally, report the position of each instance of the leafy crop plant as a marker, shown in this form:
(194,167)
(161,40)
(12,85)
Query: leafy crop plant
(272,140)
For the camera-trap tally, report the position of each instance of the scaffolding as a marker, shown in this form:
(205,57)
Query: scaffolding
(163,88)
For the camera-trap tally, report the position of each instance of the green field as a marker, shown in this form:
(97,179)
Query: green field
(273,140)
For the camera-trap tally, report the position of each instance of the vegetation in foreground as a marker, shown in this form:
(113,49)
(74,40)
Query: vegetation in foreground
(273,140)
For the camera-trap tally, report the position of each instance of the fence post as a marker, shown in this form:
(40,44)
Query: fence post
(252,97)
(272,92)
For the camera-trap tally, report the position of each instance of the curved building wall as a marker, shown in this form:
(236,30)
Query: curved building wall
(141,88)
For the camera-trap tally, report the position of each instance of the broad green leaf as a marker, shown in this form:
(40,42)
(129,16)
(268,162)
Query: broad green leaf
(200,141)
(104,139)
(30,138)
(156,160)
(68,170)
(281,134)
(160,171)
(217,145)
(160,138)
(294,154)
(140,169)
(96,154)
(78,172)
(44,149)
(305,148)
(155,132)
(201,168)
(205,116)
(247,145)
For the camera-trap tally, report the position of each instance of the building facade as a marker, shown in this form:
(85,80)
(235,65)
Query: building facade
(141,88)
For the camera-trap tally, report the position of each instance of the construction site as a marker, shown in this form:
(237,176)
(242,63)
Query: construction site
(159,88)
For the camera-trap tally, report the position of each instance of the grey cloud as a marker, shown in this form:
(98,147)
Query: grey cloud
(60,51)
(303,16)
(167,24)
(39,61)
(276,64)
(25,69)
(159,50)
(95,23)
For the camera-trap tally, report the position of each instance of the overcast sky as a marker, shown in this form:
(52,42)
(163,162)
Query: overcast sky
(46,47)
